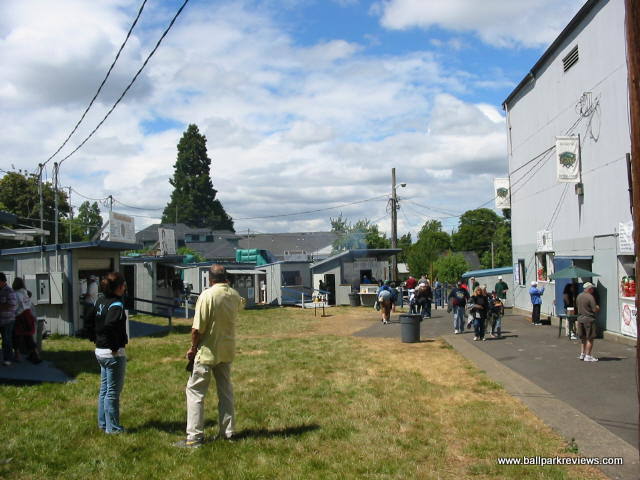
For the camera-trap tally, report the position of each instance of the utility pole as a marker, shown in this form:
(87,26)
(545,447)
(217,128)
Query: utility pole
(493,265)
(70,215)
(394,226)
(55,199)
(110,203)
(40,168)
(632,23)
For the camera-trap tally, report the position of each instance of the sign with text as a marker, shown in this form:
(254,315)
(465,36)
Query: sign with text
(167,241)
(502,191)
(568,159)
(625,238)
(544,241)
(121,228)
(628,319)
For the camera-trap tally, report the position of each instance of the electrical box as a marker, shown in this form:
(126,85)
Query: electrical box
(49,288)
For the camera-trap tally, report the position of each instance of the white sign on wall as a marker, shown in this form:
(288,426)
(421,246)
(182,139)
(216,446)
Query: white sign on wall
(625,238)
(628,319)
(516,274)
(121,228)
(568,159)
(544,241)
(167,241)
(502,192)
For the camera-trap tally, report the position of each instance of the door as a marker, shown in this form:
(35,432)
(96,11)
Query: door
(558,264)
(330,284)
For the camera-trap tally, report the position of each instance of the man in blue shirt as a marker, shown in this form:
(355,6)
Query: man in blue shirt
(536,301)
(457,300)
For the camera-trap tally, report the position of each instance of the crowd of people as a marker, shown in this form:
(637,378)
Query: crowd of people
(17,322)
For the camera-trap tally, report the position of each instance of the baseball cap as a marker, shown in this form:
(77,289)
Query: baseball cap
(500,277)
(587,285)
(534,283)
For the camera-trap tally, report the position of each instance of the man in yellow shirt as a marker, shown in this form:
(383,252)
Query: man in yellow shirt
(212,350)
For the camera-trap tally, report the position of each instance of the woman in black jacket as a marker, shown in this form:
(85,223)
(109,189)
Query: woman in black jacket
(107,327)
(479,310)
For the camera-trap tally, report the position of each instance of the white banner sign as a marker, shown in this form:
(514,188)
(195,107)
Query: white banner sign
(502,192)
(568,159)
(544,241)
(167,241)
(628,320)
(516,274)
(121,228)
(625,238)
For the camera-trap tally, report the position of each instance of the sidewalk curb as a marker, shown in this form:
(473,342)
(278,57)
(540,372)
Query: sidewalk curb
(592,439)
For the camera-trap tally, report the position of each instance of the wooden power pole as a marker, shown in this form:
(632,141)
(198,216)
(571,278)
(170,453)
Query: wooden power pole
(394,226)
(632,23)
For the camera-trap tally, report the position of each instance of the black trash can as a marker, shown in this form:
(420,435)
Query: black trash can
(354,299)
(410,327)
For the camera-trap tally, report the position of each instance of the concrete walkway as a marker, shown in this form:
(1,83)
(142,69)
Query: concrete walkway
(594,403)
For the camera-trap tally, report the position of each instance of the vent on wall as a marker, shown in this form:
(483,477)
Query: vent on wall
(571,59)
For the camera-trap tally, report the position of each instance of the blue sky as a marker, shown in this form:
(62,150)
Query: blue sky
(305,104)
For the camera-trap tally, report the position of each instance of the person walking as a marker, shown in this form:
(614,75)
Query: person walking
(479,311)
(536,301)
(8,304)
(501,288)
(212,352)
(386,298)
(587,310)
(496,311)
(25,326)
(107,327)
(437,293)
(457,301)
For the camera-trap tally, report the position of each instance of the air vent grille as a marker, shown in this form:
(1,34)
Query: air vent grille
(571,59)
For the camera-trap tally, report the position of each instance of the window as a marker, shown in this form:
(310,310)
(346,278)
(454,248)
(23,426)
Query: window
(544,266)
(291,278)
(522,279)
(210,238)
(571,59)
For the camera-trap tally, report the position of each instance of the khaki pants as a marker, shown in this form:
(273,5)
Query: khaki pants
(197,387)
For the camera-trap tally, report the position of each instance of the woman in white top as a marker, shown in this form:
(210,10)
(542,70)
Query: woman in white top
(25,326)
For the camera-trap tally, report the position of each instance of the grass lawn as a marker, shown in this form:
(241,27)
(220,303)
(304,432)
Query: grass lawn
(312,401)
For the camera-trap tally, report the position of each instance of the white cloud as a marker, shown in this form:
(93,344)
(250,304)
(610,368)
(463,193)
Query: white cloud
(502,23)
(289,128)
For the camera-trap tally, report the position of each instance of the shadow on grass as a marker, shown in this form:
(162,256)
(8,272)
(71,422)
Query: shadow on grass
(73,362)
(179,428)
(279,432)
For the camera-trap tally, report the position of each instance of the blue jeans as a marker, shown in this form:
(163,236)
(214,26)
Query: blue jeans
(458,318)
(111,383)
(478,327)
(496,327)
(6,331)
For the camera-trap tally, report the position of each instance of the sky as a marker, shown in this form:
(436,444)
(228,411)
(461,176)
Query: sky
(305,104)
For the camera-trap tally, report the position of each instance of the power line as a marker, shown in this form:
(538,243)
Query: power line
(84,114)
(135,77)
(312,211)
(135,208)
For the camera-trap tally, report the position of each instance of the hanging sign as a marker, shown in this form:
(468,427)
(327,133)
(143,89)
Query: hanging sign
(544,241)
(502,192)
(121,228)
(625,238)
(568,159)
(167,241)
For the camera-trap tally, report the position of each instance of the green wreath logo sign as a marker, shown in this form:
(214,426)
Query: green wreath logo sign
(567,159)
(502,192)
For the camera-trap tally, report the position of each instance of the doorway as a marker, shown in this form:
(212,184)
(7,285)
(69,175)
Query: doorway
(330,285)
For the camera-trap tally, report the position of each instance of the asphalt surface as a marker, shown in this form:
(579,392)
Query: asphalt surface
(604,391)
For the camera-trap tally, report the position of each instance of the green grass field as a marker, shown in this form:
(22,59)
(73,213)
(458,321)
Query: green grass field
(312,401)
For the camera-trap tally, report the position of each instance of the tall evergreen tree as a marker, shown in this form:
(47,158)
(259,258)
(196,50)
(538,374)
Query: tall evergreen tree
(193,200)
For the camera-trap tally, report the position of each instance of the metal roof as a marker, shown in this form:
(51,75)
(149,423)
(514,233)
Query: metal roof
(575,21)
(72,246)
(364,252)
(489,272)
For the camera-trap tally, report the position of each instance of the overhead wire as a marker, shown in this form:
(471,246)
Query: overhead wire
(104,80)
(135,77)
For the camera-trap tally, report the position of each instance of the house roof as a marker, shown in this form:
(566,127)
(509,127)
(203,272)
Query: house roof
(278,243)
(150,234)
(215,250)
(170,259)
(379,253)
(571,26)
(489,272)
(72,246)
(472,258)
